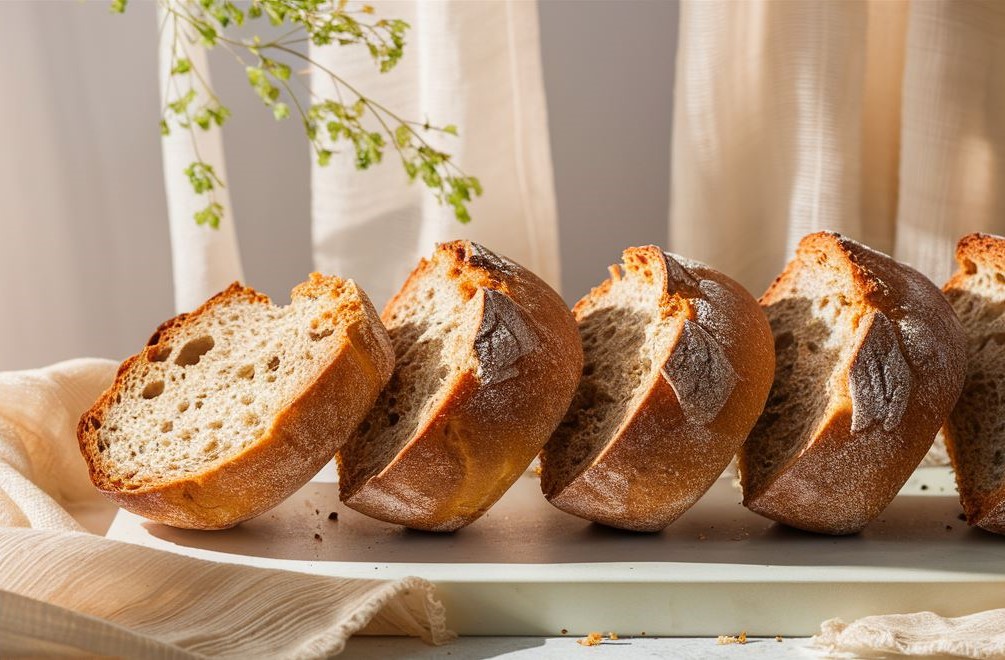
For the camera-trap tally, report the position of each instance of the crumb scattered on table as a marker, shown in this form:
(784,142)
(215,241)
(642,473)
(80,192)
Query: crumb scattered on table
(731,639)
(949,528)
(564,631)
(702,537)
(778,638)
(612,635)
(317,537)
(593,639)
(962,517)
(333,515)
(537,470)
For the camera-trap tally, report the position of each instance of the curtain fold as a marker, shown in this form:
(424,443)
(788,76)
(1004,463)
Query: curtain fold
(878,119)
(472,64)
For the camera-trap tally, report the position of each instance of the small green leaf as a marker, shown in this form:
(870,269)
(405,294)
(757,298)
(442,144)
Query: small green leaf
(324,157)
(280,111)
(118,6)
(181,65)
(165,130)
(451,129)
(210,215)
(402,135)
(255,75)
(203,119)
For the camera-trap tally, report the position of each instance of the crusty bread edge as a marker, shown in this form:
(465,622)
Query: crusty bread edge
(986,512)
(303,437)
(655,438)
(470,450)
(912,435)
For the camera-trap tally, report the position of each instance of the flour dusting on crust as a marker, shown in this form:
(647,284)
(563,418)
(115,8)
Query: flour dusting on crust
(700,374)
(879,379)
(503,338)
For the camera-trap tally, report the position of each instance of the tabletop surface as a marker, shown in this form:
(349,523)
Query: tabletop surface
(555,648)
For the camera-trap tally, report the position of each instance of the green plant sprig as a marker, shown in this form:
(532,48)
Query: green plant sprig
(328,122)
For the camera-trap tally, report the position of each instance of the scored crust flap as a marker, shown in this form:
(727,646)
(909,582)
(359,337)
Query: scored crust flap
(509,361)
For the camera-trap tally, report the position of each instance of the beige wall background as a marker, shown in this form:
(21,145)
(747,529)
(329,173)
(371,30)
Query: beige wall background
(608,70)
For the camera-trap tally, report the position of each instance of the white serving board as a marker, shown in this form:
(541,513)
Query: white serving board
(526,568)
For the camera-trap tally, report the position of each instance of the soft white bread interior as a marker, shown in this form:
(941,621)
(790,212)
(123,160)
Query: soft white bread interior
(231,408)
(869,361)
(487,360)
(975,432)
(678,362)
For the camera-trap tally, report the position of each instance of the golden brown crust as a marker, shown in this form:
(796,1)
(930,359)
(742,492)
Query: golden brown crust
(495,420)
(671,449)
(982,509)
(864,447)
(303,437)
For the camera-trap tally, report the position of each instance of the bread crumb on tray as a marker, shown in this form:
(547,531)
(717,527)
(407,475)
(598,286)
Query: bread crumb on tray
(595,638)
(730,639)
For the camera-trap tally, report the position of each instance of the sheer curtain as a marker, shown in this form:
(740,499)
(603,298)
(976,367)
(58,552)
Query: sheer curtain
(880,119)
(473,64)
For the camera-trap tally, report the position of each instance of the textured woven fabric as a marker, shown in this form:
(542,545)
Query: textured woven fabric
(980,635)
(879,119)
(473,64)
(63,590)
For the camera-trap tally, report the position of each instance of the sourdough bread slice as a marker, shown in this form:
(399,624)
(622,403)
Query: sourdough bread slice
(975,432)
(231,408)
(487,361)
(869,361)
(678,362)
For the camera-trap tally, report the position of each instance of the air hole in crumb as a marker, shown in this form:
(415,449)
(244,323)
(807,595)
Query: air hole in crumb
(270,379)
(969,267)
(191,352)
(216,424)
(153,390)
(1000,278)
(95,423)
(159,353)
(364,428)
(247,372)
(251,419)
(167,427)
(783,341)
(247,399)
(183,406)
(234,318)
(812,347)
(392,418)
(198,404)
(318,336)
(273,363)
(209,446)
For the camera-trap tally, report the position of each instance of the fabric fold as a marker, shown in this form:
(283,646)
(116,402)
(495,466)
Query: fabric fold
(65,591)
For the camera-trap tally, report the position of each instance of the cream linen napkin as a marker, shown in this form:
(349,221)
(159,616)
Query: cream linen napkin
(65,591)
(980,635)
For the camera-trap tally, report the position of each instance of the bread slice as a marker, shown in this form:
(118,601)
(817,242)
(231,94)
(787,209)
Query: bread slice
(975,432)
(231,408)
(869,361)
(678,363)
(487,361)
